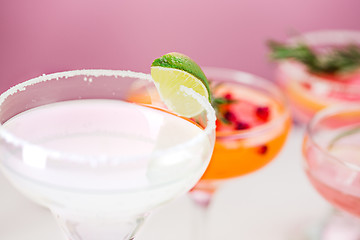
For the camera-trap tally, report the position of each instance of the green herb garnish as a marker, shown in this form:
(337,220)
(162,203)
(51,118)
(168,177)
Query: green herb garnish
(334,61)
(217,103)
(342,135)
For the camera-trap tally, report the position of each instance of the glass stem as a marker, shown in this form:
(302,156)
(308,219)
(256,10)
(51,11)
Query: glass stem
(335,226)
(201,202)
(99,228)
(341,225)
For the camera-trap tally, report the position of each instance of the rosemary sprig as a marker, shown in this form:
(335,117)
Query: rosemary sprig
(217,103)
(335,61)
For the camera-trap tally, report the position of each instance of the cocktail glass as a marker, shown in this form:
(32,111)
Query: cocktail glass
(73,143)
(262,124)
(331,151)
(307,92)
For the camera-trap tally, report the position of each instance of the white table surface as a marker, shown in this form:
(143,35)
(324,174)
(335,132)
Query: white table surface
(275,203)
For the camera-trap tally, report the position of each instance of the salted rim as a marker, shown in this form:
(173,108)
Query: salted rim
(101,159)
(250,80)
(330,111)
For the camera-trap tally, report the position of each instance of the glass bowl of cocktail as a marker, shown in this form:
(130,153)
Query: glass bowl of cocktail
(331,150)
(252,125)
(318,69)
(74,143)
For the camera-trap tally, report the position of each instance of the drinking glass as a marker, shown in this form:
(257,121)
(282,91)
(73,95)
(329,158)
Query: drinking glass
(75,143)
(331,150)
(307,92)
(257,139)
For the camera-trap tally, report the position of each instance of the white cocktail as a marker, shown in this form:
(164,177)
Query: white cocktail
(74,143)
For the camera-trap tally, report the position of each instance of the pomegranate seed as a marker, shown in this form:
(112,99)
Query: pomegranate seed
(263,149)
(262,113)
(241,125)
(228,96)
(230,116)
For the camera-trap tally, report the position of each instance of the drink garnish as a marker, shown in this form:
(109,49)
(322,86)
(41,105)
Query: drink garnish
(263,149)
(238,108)
(263,112)
(342,135)
(173,70)
(219,103)
(332,61)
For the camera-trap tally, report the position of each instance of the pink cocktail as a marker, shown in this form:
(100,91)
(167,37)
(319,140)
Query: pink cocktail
(331,151)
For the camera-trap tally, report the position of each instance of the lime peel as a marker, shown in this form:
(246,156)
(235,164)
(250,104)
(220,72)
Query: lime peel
(172,71)
(182,62)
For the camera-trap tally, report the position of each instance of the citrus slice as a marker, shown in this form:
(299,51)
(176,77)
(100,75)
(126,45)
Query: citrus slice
(174,70)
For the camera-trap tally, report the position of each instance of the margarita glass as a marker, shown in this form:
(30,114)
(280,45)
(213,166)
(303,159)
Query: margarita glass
(308,92)
(251,130)
(331,151)
(73,143)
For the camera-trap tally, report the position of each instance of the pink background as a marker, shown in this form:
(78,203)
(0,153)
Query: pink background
(44,36)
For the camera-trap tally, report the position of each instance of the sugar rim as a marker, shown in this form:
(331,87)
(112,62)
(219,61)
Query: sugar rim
(102,159)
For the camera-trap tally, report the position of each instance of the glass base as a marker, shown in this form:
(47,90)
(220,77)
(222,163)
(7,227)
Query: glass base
(99,228)
(337,226)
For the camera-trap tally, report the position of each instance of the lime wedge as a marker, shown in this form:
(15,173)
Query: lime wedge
(174,70)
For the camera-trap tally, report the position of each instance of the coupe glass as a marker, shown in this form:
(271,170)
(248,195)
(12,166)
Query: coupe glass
(76,144)
(240,152)
(331,151)
(307,92)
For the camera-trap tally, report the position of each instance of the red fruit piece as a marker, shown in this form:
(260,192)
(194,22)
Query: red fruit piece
(263,113)
(241,125)
(230,116)
(228,96)
(263,149)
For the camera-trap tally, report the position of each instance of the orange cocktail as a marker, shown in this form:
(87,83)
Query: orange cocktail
(252,125)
